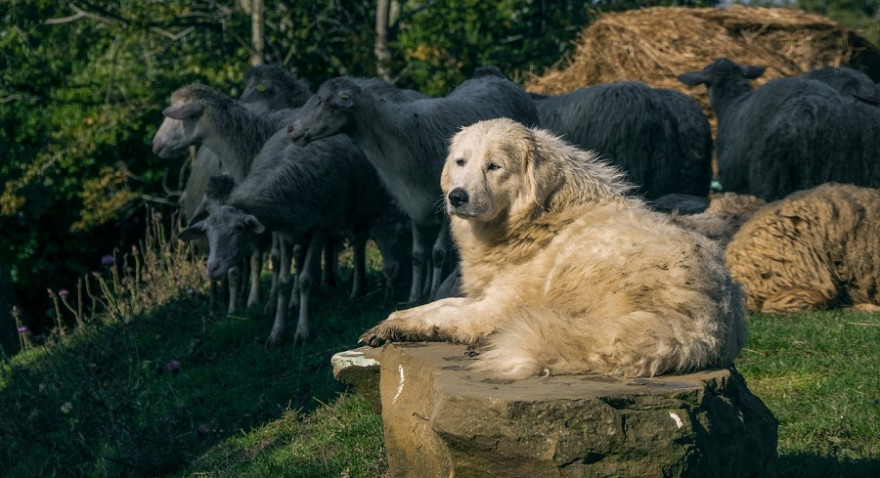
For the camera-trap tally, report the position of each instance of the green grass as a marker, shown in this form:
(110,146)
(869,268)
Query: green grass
(819,373)
(100,401)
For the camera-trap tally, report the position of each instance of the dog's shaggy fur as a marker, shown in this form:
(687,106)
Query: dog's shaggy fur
(565,274)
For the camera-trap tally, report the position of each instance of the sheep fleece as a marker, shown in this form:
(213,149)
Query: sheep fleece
(814,249)
(564,274)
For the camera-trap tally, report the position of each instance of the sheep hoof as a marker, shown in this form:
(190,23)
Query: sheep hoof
(300,338)
(273,340)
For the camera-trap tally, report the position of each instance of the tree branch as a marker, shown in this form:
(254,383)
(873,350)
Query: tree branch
(80,13)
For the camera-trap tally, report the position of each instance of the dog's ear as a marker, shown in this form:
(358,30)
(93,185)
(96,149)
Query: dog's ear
(542,171)
(444,176)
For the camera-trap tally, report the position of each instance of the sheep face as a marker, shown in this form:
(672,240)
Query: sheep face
(720,72)
(327,112)
(178,130)
(231,234)
(270,87)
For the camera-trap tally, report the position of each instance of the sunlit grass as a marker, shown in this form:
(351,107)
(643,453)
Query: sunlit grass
(818,373)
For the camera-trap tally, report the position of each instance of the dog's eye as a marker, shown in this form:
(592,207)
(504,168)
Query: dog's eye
(492,167)
(459,162)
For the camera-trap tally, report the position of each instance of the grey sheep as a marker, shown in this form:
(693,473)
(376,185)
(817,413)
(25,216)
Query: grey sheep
(815,249)
(303,194)
(659,137)
(848,81)
(270,88)
(199,115)
(787,135)
(225,129)
(406,139)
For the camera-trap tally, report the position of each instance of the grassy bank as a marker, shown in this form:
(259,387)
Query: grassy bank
(153,385)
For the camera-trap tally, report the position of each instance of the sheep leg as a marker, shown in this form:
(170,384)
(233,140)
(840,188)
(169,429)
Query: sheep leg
(277,244)
(359,249)
(232,279)
(311,268)
(299,259)
(330,273)
(795,300)
(256,267)
(284,289)
(214,301)
(420,263)
(438,257)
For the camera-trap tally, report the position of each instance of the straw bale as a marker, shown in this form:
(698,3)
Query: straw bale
(655,45)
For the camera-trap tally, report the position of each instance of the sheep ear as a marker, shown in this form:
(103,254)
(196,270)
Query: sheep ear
(200,214)
(254,224)
(751,72)
(184,111)
(344,99)
(693,78)
(193,232)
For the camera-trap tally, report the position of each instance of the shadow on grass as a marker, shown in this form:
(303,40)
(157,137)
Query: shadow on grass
(813,466)
(145,397)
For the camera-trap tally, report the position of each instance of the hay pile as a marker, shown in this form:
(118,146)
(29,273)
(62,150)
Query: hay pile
(654,45)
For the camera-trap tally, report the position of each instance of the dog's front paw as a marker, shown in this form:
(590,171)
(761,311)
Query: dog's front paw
(378,335)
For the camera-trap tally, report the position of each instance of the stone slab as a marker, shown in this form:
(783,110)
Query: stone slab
(441,419)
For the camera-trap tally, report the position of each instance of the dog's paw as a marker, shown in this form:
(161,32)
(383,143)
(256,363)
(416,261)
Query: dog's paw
(378,335)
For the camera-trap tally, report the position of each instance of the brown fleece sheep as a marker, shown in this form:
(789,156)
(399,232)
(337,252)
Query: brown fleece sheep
(814,249)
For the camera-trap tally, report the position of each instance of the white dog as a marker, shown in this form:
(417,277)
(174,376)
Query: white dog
(565,274)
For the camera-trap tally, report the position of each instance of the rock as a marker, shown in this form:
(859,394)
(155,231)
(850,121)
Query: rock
(359,368)
(442,420)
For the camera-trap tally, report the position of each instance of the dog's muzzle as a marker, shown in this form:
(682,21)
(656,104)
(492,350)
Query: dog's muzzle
(457,197)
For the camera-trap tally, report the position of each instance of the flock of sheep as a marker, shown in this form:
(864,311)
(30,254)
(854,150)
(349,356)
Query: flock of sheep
(297,173)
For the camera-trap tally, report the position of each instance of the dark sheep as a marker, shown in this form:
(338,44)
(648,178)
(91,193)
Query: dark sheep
(789,134)
(270,88)
(848,81)
(302,194)
(659,137)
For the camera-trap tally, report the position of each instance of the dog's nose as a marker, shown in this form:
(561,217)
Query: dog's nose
(457,197)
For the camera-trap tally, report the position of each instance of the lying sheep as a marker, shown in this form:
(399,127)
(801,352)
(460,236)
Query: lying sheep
(848,81)
(303,194)
(789,134)
(724,216)
(405,139)
(815,249)
(660,138)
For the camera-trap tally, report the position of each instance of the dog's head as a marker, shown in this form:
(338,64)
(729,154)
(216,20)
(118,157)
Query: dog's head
(496,168)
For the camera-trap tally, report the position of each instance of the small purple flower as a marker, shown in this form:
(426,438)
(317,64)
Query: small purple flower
(66,407)
(22,329)
(63,293)
(108,260)
(173,366)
